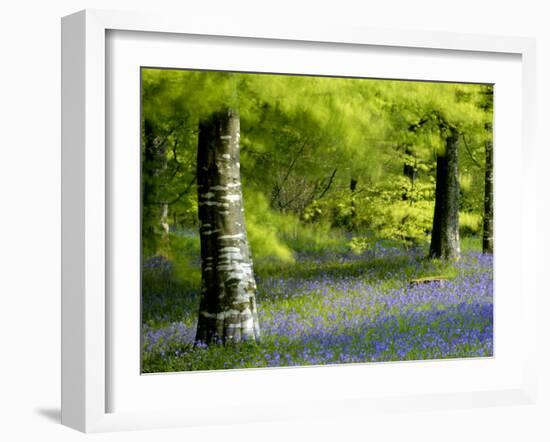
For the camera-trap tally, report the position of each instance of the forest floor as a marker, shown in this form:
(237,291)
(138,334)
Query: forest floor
(332,308)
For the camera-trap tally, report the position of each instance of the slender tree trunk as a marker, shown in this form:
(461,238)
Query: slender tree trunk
(154,212)
(488,199)
(445,239)
(164,224)
(410,170)
(163,218)
(352,186)
(228,294)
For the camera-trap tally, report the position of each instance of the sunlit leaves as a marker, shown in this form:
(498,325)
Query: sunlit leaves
(300,134)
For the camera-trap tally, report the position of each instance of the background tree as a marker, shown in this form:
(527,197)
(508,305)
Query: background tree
(432,122)
(154,226)
(487,106)
(445,236)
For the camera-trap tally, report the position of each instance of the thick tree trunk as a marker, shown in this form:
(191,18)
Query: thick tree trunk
(488,199)
(228,294)
(445,240)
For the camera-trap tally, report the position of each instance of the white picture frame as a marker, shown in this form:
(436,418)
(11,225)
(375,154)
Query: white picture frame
(86,314)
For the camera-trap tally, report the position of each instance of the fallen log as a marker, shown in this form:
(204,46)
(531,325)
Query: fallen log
(440,280)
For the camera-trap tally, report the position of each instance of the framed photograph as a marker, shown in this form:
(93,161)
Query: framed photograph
(264,224)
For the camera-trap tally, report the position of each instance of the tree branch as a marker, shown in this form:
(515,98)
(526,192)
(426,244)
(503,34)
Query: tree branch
(476,162)
(290,167)
(327,187)
(182,193)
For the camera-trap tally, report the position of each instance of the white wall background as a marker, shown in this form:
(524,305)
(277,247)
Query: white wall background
(30,215)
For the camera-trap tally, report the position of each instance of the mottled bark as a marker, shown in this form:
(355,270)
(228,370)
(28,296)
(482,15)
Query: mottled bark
(488,198)
(228,293)
(445,239)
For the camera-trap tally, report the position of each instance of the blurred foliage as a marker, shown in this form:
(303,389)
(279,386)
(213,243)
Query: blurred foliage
(324,161)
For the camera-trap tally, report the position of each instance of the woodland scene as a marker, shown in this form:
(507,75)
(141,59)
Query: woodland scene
(292,220)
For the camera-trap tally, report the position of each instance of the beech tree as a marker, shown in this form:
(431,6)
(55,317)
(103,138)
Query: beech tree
(445,235)
(228,292)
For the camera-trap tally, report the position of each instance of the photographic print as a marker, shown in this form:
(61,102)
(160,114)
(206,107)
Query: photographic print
(293,220)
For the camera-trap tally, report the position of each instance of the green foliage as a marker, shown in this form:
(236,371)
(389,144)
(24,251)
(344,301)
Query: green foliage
(276,236)
(263,229)
(361,244)
(304,141)
(470,224)
(407,223)
(185,251)
(470,244)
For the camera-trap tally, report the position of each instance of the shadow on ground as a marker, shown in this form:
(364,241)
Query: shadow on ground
(51,414)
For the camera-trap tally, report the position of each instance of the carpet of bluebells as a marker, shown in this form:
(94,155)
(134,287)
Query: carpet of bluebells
(332,308)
